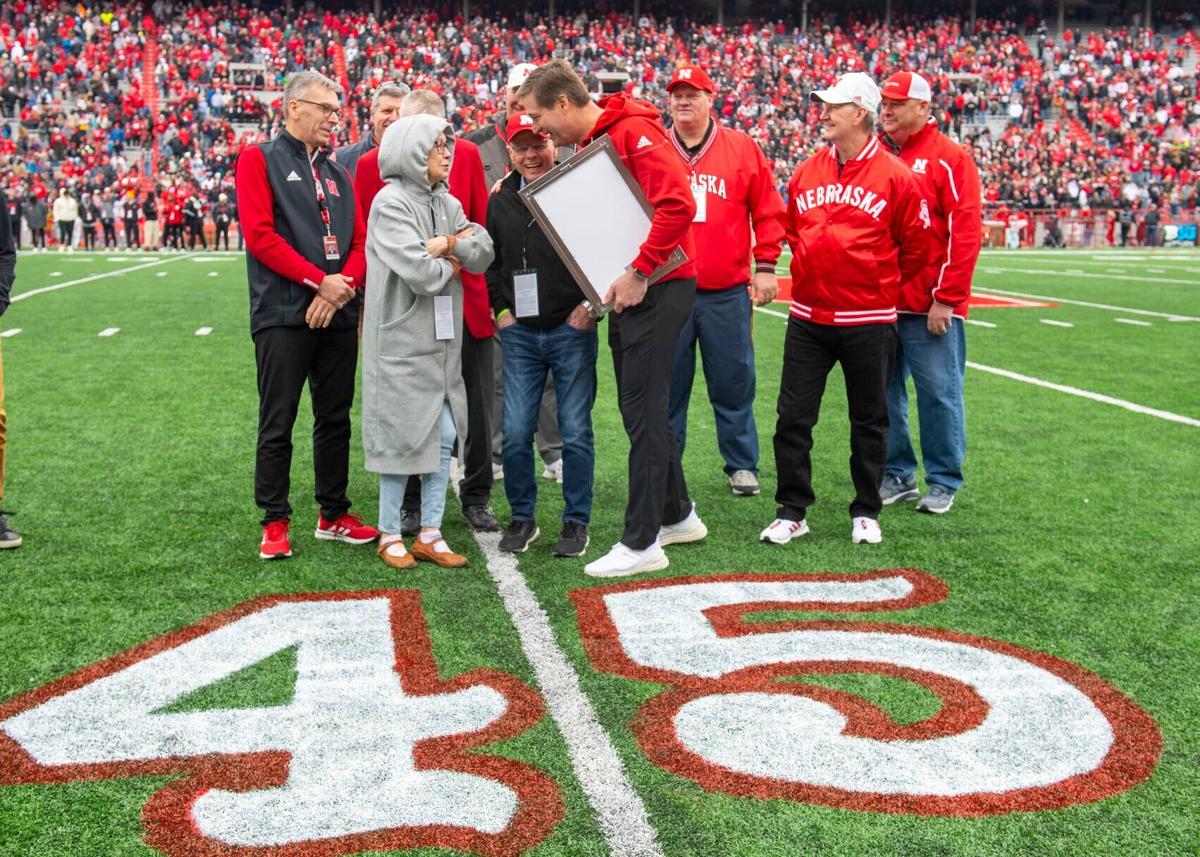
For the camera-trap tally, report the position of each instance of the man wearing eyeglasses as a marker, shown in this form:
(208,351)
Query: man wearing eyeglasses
(385,109)
(305,261)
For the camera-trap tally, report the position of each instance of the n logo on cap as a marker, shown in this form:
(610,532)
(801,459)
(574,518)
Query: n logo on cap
(685,74)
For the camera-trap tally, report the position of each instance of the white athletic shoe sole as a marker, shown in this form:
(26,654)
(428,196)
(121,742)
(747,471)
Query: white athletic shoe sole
(285,555)
(682,537)
(902,497)
(330,536)
(782,537)
(604,567)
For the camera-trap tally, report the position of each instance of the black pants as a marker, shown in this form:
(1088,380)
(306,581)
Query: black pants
(475,489)
(38,237)
(89,237)
(643,340)
(132,239)
(287,357)
(110,232)
(66,231)
(866,352)
(196,233)
(222,232)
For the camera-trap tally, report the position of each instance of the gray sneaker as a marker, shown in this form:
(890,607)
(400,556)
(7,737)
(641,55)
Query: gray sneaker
(744,483)
(894,490)
(937,502)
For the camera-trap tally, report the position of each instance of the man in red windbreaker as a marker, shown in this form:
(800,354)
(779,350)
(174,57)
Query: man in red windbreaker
(468,186)
(858,229)
(645,327)
(734,189)
(933,345)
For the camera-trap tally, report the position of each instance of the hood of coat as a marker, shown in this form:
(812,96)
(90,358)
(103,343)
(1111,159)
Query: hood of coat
(620,106)
(404,151)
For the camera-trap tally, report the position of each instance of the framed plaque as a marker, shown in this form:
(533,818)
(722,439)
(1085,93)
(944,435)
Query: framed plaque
(596,216)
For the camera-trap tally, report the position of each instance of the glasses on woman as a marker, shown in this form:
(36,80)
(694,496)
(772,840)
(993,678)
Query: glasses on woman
(442,145)
(327,110)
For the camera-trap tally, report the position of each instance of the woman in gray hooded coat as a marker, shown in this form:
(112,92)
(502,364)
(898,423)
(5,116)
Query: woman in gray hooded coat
(414,401)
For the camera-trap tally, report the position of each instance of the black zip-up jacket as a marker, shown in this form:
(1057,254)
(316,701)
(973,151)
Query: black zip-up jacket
(520,244)
(8,254)
(281,222)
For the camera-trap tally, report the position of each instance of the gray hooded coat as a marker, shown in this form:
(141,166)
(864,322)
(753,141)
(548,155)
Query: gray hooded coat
(407,371)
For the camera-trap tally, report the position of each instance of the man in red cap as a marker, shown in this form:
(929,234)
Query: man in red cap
(932,347)
(735,190)
(545,332)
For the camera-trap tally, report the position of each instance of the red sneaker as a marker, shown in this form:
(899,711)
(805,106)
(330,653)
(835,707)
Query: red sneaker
(347,528)
(275,544)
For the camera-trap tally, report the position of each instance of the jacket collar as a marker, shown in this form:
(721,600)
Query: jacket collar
(300,148)
(863,158)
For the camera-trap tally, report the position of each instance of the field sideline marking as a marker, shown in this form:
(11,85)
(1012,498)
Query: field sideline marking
(109,331)
(1055,323)
(990,268)
(621,815)
(979,323)
(1063,388)
(1172,316)
(93,278)
(1134,321)
(12,331)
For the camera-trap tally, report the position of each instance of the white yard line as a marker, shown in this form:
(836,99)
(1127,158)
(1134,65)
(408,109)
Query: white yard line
(1167,315)
(1134,321)
(978,323)
(620,811)
(93,278)
(109,331)
(1054,323)
(204,331)
(12,331)
(1063,388)
(991,268)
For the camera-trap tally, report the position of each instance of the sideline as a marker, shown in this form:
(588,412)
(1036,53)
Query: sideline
(95,277)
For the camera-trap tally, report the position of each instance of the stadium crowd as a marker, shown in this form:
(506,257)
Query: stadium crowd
(1090,120)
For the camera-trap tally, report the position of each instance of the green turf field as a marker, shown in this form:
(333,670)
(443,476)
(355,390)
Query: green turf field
(130,470)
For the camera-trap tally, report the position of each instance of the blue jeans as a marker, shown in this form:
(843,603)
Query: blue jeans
(937,365)
(433,486)
(720,322)
(569,355)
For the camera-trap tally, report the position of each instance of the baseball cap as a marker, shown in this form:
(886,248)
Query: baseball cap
(907,84)
(519,122)
(518,73)
(851,88)
(692,75)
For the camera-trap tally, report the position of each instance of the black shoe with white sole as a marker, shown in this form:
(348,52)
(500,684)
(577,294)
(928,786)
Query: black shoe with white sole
(572,541)
(480,518)
(520,535)
(9,538)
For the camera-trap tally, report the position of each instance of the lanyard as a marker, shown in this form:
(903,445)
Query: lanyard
(321,203)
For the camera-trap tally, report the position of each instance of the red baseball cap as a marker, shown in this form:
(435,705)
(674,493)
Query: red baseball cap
(692,75)
(907,84)
(518,123)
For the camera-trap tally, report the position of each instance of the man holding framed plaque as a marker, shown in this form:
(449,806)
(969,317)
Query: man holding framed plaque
(648,318)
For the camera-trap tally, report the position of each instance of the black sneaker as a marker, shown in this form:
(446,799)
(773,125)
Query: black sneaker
(572,541)
(8,537)
(520,535)
(480,518)
(410,522)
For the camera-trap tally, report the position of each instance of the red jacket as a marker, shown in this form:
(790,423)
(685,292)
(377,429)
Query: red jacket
(641,141)
(469,187)
(857,232)
(733,186)
(949,181)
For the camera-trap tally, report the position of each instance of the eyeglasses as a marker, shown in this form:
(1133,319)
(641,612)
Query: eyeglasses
(441,146)
(327,110)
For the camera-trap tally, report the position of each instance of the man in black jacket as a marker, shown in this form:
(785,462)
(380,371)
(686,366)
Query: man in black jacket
(543,328)
(8,266)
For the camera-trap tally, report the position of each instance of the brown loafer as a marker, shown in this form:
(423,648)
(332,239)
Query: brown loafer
(428,552)
(395,555)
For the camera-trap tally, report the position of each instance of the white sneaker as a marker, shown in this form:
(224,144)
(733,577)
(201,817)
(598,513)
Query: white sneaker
(690,529)
(783,531)
(866,530)
(497,472)
(622,560)
(553,471)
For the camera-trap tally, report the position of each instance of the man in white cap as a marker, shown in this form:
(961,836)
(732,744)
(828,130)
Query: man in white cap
(858,228)
(493,150)
(933,345)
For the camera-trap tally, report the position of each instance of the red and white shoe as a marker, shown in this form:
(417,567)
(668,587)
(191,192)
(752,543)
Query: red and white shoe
(347,528)
(275,544)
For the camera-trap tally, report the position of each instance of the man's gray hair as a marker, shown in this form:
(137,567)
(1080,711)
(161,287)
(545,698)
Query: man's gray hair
(302,81)
(388,89)
(423,101)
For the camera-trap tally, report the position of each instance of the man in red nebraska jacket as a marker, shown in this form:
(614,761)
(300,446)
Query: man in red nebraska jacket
(645,327)
(858,227)
(469,187)
(304,259)
(735,189)
(933,344)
